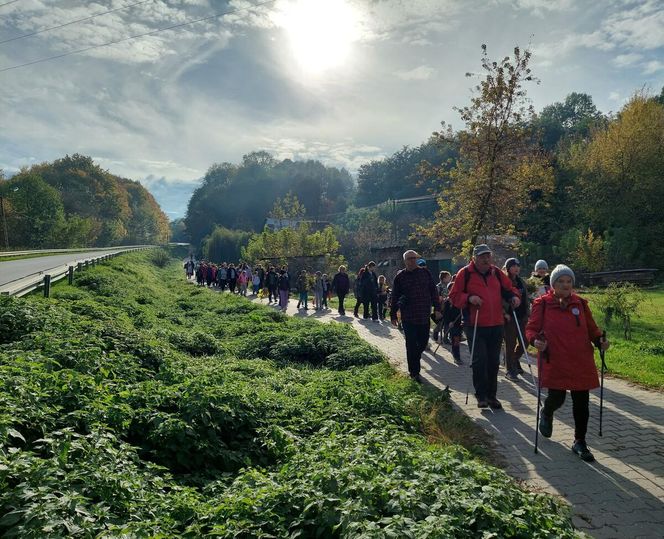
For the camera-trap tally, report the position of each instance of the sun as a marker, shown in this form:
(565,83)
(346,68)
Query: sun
(321,32)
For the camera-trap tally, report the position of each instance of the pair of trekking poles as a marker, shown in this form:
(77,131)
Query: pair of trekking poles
(539,382)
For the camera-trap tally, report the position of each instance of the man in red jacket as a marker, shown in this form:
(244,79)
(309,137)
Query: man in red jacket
(479,290)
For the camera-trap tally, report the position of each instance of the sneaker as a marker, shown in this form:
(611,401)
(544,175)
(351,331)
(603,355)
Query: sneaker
(495,404)
(546,425)
(580,448)
(512,377)
(482,403)
(519,370)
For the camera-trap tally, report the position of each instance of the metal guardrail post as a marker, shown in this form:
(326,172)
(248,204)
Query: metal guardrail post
(70,275)
(79,266)
(47,285)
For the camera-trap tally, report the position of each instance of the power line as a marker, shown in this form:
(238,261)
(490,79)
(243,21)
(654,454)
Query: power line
(179,25)
(71,22)
(7,3)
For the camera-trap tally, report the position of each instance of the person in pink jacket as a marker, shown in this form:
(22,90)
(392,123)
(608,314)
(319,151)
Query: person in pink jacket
(479,290)
(562,328)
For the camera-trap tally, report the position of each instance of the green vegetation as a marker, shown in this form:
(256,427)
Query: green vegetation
(641,358)
(134,404)
(73,202)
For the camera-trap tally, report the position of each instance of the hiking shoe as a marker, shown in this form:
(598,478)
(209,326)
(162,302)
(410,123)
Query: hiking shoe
(458,361)
(512,377)
(417,378)
(519,370)
(546,425)
(580,448)
(495,404)
(482,403)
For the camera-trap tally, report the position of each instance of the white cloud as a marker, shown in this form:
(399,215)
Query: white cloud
(640,27)
(422,72)
(654,66)
(624,60)
(539,7)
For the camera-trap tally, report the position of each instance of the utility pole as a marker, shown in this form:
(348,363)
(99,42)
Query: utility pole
(4,222)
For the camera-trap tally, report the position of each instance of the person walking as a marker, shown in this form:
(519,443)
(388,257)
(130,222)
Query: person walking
(357,290)
(413,295)
(383,294)
(222,276)
(540,278)
(302,285)
(341,286)
(232,278)
(444,278)
(479,290)
(326,291)
(318,291)
(513,345)
(369,285)
(283,284)
(563,330)
(272,280)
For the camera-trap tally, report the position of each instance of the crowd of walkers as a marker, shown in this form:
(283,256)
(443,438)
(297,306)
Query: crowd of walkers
(492,307)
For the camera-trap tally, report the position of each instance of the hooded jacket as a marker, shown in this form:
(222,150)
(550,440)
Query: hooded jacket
(568,361)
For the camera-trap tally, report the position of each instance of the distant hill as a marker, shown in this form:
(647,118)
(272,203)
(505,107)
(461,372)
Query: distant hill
(73,202)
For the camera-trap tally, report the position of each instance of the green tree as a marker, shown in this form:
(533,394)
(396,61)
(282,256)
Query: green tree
(288,208)
(284,245)
(499,165)
(35,213)
(620,181)
(224,245)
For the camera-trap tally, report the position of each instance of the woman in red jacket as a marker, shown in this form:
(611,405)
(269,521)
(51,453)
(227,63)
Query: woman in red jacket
(562,328)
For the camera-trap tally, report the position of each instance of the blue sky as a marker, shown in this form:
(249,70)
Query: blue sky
(343,81)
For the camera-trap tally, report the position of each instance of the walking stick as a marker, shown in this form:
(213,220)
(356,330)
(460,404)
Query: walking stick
(539,392)
(523,344)
(472,352)
(601,387)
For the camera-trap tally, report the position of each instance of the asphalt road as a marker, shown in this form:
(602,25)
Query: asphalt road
(17,269)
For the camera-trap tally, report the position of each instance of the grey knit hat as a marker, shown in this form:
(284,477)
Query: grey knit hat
(511,262)
(541,264)
(559,271)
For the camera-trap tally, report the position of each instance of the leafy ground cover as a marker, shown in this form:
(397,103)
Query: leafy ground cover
(135,405)
(640,359)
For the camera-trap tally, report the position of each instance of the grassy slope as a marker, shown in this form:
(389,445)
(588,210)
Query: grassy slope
(642,359)
(136,404)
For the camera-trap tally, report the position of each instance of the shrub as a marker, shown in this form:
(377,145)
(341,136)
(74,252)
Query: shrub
(19,318)
(160,258)
(621,301)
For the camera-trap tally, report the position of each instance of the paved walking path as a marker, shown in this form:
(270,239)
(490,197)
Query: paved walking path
(621,495)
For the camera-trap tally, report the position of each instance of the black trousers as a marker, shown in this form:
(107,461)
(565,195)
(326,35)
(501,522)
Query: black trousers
(341,297)
(417,337)
(272,293)
(485,360)
(580,410)
(373,302)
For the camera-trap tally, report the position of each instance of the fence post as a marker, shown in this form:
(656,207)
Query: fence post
(79,266)
(70,275)
(47,285)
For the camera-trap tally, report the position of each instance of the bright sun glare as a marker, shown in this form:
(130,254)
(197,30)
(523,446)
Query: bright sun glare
(321,32)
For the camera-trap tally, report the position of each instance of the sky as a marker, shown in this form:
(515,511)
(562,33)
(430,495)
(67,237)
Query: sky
(341,81)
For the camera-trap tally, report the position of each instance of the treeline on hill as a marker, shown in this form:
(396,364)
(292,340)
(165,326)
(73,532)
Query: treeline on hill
(73,202)
(595,203)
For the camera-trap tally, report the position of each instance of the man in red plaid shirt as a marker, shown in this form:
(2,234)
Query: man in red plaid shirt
(414,293)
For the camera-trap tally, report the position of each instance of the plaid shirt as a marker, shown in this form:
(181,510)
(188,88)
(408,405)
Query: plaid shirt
(420,294)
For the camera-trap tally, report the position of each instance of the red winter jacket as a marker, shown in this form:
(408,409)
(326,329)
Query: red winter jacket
(492,287)
(568,361)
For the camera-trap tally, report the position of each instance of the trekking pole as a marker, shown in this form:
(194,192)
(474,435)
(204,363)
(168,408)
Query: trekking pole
(438,328)
(601,387)
(539,392)
(523,344)
(472,352)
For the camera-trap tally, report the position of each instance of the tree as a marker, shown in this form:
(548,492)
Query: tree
(288,208)
(499,165)
(224,245)
(316,250)
(620,181)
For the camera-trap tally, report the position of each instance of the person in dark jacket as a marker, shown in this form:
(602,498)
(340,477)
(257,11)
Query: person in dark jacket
(341,286)
(478,291)
(562,328)
(357,290)
(513,346)
(454,324)
(413,295)
(272,280)
(284,287)
(369,284)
